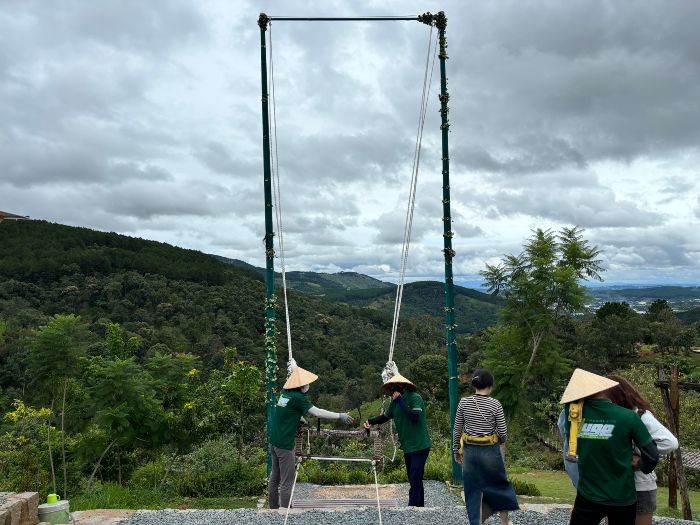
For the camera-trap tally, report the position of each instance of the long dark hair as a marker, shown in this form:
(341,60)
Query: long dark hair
(625,395)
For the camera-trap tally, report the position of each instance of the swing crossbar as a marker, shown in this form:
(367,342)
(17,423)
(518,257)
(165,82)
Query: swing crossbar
(349,502)
(337,458)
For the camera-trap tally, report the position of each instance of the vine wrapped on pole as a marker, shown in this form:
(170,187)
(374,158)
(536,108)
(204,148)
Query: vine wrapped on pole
(440,22)
(270,336)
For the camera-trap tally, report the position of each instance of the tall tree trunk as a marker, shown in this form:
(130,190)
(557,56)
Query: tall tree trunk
(48,438)
(536,340)
(240,425)
(97,465)
(63,441)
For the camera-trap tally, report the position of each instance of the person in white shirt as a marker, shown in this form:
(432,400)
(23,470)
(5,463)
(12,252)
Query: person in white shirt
(625,395)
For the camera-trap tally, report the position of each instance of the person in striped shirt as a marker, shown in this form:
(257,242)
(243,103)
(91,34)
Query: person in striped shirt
(479,429)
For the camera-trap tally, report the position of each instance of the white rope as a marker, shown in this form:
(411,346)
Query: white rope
(390,369)
(408,226)
(291,496)
(277,197)
(391,421)
(376,486)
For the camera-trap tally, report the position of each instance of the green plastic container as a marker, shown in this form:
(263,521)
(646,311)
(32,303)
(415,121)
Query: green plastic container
(57,513)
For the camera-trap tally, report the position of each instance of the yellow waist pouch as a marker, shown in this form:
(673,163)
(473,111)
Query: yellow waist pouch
(576,420)
(477,440)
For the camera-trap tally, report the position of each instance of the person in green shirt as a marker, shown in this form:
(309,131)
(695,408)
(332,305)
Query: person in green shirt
(407,409)
(602,442)
(291,406)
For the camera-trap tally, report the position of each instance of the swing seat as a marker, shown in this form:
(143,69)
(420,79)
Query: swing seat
(349,502)
(373,435)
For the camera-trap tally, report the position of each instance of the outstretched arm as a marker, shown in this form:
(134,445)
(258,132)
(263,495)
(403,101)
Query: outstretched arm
(327,414)
(381,418)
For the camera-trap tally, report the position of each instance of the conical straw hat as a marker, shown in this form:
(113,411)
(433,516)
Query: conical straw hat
(583,384)
(397,379)
(300,377)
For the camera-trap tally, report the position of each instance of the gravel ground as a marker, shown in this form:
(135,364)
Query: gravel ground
(440,516)
(436,493)
(443,508)
(3,499)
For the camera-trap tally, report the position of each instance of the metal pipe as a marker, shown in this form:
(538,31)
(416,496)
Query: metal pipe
(342,19)
(440,21)
(270,352)
(349,460)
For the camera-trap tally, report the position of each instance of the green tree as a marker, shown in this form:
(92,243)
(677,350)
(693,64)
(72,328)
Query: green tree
(429,373)
(670,334)
(656,308)
(506,352)
(231,401)
(56,349)
(621,309)
(123,397)
(542,285)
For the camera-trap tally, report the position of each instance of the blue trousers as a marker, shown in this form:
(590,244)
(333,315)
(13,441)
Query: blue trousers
(415,467)
(484,476)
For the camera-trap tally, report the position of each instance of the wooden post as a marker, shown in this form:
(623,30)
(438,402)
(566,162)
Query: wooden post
(676,460)
(672,394)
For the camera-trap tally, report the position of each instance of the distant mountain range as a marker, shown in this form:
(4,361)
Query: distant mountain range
(474,310)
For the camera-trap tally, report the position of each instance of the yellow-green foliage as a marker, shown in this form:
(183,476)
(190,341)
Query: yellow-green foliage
(23,449)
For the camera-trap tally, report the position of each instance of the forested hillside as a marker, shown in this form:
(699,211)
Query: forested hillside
(137,363)
(474,310)
(117,351)
(179,301)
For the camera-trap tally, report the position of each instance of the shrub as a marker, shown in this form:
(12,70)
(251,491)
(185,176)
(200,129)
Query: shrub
(24,457)
(154,474)
(234,479)
(215,470)
(523,488)
(439,464)
(397,475)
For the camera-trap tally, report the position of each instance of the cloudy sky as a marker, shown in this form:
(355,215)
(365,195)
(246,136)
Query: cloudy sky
(143,118)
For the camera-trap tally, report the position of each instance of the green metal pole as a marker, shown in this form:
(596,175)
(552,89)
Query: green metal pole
(270,352)
(441,24)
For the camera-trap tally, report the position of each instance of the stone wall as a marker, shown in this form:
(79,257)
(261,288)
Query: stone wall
(19,508)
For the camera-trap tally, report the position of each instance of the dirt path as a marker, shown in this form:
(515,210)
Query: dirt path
(101,517)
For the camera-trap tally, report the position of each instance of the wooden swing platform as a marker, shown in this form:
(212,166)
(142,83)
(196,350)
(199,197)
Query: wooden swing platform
(304,455)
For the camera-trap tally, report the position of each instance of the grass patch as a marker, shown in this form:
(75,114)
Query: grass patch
(556,487)
(664,510)
(112,496)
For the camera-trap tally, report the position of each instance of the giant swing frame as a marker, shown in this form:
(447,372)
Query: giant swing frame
(438,20)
